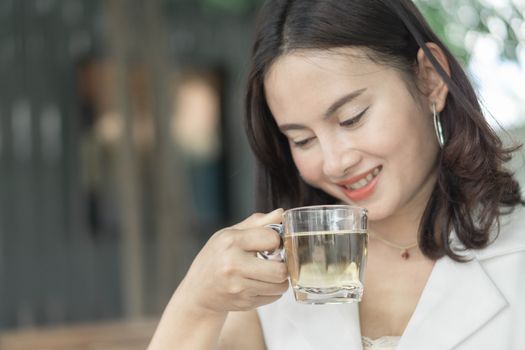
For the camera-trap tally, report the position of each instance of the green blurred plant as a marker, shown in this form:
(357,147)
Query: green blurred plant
(461,22)
(214,7)
(237,7)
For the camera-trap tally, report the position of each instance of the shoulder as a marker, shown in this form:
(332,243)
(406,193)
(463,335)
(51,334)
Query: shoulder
(510,239)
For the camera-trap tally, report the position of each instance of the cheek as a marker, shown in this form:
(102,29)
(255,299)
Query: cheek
(405,133)
(409,147)
(383,138)
(309,165)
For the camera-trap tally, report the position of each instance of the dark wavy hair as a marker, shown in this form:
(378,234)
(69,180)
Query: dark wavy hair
(473,188)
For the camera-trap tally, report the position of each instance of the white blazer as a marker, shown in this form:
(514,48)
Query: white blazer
(476,305)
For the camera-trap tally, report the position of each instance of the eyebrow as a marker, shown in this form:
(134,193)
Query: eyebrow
(329,112)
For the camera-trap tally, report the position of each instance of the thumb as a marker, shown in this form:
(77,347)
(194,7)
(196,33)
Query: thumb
(259,219)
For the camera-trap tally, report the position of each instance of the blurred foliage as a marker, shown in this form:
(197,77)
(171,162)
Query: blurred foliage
(461,22)
(458,22)
(214,7)
(234,6)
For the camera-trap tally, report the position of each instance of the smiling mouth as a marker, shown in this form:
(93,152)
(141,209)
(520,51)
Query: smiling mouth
(363,182)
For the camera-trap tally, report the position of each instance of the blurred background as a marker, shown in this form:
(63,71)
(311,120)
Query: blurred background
(122,149)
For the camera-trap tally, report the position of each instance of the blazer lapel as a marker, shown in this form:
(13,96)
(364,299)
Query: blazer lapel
(459,299)
(334,327)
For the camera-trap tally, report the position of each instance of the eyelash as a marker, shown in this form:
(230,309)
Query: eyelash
(354,120)
(347,123)
(302,143)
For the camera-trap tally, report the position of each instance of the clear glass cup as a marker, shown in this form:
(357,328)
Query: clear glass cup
(325,249)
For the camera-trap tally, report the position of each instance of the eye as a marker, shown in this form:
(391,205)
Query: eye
(302,143)
(354,120)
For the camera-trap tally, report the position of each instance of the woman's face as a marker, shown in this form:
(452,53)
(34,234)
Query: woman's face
(355,130)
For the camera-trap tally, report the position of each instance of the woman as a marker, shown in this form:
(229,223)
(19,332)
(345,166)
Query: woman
(359,102)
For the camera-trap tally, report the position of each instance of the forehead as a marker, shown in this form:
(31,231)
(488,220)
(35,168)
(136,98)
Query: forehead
(341,61)
(308,80)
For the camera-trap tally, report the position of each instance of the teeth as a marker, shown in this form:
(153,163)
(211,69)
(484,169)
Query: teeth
(359,184)
(363,182)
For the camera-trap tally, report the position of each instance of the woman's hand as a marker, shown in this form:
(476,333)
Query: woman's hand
(227,276)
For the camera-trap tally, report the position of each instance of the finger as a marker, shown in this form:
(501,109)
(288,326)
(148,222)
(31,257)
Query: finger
(258,288)
(263,300)
(259,219)
(265,270)
(257,301)
(257,239)
(260,300)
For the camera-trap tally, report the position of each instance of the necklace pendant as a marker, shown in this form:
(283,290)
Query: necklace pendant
(405,255)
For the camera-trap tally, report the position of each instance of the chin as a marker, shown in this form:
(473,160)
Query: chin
(376,212)
(376,217)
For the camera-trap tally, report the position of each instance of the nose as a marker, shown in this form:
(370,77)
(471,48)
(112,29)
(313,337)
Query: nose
(338,158)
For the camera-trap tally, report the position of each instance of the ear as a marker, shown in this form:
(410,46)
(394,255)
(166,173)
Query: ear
(434,88)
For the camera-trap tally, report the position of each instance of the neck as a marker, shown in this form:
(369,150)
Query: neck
(401,230)
(403,226)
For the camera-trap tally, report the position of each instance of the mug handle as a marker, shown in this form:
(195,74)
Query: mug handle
(276,254)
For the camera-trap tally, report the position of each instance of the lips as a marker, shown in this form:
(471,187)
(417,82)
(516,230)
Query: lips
(361,186)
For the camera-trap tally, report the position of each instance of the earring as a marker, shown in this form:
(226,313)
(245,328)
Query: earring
(438,127)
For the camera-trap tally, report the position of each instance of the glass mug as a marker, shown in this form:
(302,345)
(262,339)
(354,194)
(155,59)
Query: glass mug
(325,249)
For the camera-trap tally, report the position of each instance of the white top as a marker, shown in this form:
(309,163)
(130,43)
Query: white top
(476,305)
(383,343)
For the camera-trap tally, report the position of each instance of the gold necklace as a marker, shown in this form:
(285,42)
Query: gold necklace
(404,249)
